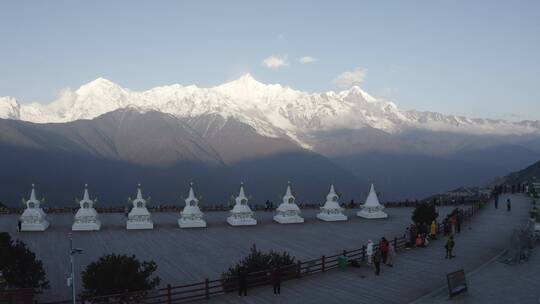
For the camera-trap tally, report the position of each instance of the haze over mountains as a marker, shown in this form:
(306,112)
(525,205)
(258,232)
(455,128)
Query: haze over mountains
(112,138)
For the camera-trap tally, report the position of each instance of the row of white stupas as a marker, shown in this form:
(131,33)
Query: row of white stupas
(288,212)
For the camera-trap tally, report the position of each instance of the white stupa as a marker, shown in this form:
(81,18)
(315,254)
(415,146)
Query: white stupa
(241,214)
(139,217)
(86,218)
(372,209)
(192,216)
(33,217)
(332,211)
(288,212)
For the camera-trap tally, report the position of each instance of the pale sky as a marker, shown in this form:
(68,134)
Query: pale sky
(474,58)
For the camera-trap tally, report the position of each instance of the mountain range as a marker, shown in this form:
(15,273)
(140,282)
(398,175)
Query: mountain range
(112,138)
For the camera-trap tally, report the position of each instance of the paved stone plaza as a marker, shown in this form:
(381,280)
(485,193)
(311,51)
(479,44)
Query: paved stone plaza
(190,255)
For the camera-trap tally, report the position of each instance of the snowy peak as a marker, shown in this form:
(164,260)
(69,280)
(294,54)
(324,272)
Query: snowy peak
(271,109)
(245,82)
(247,88)
(99,85)
(9,108)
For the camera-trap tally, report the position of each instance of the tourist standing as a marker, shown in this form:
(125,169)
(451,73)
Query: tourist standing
(407,237)
(391,255)
(275,277)
(369,252)
(508,205)
(377,261)
(383,246)
(453,220)
(450,247)
(446,227)
(459,220)
(414,234)
(19,226)
(242,282)
(496,201)
(434,229)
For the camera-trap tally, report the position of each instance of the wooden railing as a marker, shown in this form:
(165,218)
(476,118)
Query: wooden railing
(210,288)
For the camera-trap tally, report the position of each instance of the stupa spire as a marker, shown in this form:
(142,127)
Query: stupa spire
(139,192)
(372,208)
(191,194)
(372,199)
(332,190)
(86,196)
(241,193)
(288,192)
(33,193)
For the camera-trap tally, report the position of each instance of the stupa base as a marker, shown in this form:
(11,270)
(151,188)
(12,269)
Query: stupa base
(372,215)
(191,223)
(139,225)
(86,226)
(35,226)
(331,217)
(241,222)
(288,219)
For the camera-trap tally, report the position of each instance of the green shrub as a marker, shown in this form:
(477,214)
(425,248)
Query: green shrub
(19,265)
(114,273)
(257,260)
(424,213)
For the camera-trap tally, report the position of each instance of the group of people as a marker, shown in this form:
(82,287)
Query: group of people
(420,234)
(385,253)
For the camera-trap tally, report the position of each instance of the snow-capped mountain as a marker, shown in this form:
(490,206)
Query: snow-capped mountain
(272,110)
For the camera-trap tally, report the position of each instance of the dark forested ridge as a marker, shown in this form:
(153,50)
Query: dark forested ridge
(115,151)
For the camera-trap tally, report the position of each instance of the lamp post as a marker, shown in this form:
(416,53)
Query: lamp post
(71,280)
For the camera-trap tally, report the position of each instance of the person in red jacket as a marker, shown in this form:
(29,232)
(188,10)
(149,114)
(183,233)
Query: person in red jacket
(383,245)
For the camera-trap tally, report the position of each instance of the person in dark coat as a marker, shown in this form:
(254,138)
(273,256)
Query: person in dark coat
(242,282)
(19,225)
(496,201)
(459,220)
(450,247)
(508,205)
(377,261)
(446,227)
(275,278)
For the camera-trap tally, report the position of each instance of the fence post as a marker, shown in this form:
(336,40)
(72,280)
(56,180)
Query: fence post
(207,289)
(323,263)
(169,297)
(299,269)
